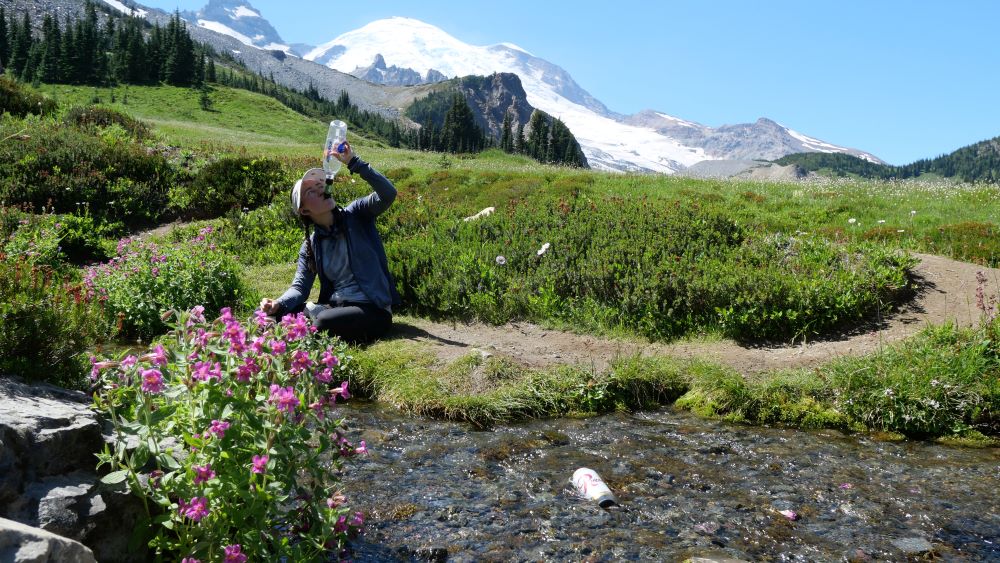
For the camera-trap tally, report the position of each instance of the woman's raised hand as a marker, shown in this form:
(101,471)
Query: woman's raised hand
(345,156)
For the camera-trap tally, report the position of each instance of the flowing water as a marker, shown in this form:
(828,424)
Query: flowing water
(688,487)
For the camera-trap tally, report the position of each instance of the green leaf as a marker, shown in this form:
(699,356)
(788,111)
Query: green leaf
(115,477)
(168,461)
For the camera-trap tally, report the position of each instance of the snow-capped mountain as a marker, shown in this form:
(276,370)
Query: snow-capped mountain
(395,51)
(649,141)
(762,140)
(240,20)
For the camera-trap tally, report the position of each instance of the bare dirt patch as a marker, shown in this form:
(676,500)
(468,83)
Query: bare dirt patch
(946,290)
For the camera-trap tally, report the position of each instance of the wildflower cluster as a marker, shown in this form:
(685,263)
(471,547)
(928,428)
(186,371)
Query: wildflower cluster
(229,432)
(145,278)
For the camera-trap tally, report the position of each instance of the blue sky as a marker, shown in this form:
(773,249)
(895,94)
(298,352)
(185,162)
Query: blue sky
(901,79)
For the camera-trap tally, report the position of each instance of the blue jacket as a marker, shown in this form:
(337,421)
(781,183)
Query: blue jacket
(364,246)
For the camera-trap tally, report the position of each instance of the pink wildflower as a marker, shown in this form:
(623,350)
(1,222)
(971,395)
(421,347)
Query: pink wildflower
(195,510)
(190,560)
(325,376)
(96,367)
(284,398)
(201,339)
(300,361)
(152,381)
(258,345)
(278,346)
(362,449)
(342,391)
(203,473)
(218,428)
(129,361)
(226,315)
(205,371)
(158,357)
(259,464)
(341,525)
(336,500)
(261,318)
(197,315)
(357,520)
(330,359)
(297,325)
(247,369)
(234,554)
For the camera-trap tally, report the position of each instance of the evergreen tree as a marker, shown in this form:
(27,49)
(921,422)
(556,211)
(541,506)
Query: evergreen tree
(199,68)
(67,54)
(85,42)
(537,142)
(49,66)
(20,45)
(519,140)
(178,54)
(210,71)
(507,136)
(459,133)
(4,42)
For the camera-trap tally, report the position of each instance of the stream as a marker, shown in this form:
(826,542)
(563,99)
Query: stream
(688,487)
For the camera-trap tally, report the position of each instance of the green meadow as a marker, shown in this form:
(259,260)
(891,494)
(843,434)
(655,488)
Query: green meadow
(636,256)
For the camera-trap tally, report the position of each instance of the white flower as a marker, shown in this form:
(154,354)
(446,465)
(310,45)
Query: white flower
(900,230)
(913,212)
(852,220)
(543,249)
(501,260)
(880,221)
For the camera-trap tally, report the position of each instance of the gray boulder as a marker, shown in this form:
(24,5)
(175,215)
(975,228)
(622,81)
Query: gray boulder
(44,431)
(48,438)
(23,544)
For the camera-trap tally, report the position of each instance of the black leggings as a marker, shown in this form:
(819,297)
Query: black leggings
(353,322)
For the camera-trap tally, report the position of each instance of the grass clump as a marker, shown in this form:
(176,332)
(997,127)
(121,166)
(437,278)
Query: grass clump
(490,390)
(945,381)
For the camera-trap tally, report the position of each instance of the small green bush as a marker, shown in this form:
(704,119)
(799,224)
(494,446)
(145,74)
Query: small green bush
(266,235)
(66,169)
(57,240)
(229,184)
(145,279)
(973,241)
(95,118)
(46,324)
(19,101)
(654,267)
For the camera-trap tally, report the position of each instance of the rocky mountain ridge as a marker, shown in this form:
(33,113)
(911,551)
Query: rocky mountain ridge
(379,73)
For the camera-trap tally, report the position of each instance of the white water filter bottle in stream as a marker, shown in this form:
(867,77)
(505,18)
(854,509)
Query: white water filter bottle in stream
(590,486)
(335,139)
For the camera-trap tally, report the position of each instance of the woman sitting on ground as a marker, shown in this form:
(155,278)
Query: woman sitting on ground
(356,291)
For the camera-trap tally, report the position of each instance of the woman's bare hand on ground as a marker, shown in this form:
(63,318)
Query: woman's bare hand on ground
(267,305)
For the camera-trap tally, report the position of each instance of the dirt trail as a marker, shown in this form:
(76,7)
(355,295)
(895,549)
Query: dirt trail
(946,289)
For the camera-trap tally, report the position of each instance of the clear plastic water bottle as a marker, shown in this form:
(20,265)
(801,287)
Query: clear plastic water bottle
(335,139)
